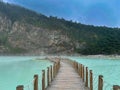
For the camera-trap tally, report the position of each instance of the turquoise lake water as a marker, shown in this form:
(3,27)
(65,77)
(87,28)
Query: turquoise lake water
(20,71)
(108,67)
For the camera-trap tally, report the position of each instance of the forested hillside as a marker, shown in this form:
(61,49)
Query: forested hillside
(24,31)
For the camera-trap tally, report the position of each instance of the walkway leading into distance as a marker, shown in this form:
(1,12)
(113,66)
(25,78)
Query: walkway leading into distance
(67,79)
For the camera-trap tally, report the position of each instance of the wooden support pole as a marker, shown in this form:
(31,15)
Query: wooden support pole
(74,64)
(43,79)
(83,73)
(79,69)
(91,80)
(58,64)
(77,66)
(86,83)
(54,70)
(20,87)
(56,67)
(51,73)
(35,82)
(116,87)
(100,82)
(48,75)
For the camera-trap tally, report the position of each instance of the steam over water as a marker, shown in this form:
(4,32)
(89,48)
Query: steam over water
(20,71)
(108,67)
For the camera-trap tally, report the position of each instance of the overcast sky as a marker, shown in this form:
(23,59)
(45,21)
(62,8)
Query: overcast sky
(93,12)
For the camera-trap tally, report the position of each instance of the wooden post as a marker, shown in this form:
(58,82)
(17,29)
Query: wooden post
(116,87)
(35,82)
(56,68)
(20,87)
(91,80)
(100,82)
(51,72)
(77,66)
(43,79)
(48,76)
(86,83)
(58,65)
(83,73)
(80,70)
(54,71)
(74,64)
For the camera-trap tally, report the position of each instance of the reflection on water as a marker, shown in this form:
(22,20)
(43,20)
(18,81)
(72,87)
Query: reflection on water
(19,71)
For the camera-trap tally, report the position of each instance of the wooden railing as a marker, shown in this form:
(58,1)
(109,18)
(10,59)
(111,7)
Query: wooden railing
(88,78)
(51,73)
(85,74)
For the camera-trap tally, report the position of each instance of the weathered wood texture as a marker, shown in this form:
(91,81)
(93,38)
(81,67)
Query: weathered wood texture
(67,79)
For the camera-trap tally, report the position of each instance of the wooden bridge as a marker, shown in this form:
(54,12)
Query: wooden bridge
(67,79)
(67,75)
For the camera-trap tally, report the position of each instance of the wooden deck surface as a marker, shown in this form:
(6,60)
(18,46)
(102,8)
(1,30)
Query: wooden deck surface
(67,79)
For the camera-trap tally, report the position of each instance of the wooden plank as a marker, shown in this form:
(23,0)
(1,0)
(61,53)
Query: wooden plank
(67,79)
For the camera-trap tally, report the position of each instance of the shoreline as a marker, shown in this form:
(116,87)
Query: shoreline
(64,56)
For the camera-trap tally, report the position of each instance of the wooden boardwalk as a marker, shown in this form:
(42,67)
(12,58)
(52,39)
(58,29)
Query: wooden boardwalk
(67,79)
